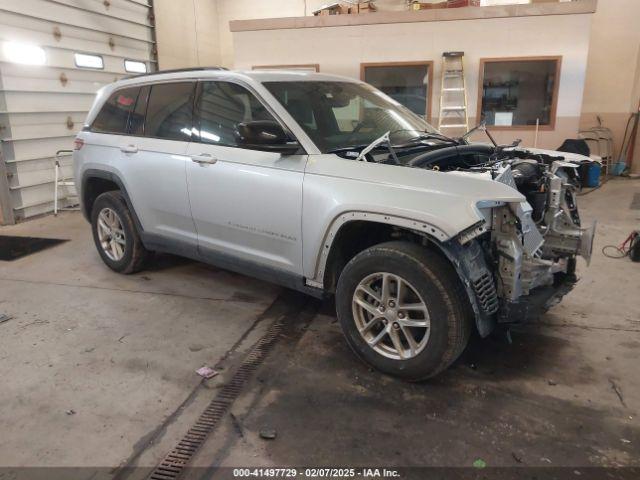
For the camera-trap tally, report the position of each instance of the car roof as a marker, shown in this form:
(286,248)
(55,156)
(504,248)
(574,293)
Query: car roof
(262,75)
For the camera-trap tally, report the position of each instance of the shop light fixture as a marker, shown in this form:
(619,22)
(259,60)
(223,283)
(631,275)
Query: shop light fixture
(24,53)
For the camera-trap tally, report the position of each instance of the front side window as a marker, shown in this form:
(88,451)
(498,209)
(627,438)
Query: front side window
(114,115)
(519,93)
(339,115)
(222,106)
(408,83)
(169,111)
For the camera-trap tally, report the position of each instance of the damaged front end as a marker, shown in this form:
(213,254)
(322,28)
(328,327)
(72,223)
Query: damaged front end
(520,258)
(533,245)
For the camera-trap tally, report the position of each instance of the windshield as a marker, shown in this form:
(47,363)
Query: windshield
(338,115)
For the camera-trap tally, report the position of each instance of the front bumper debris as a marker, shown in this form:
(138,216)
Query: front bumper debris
(531,307)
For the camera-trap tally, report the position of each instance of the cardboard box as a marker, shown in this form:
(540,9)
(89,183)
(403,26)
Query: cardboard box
(345,8)
(462,3)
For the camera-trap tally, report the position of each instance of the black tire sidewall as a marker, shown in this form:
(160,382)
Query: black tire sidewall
(115,202)
(420,276)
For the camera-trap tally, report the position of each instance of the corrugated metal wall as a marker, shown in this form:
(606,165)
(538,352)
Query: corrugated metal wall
(43,106)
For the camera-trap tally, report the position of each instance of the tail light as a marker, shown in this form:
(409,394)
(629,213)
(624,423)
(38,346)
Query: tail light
(78,143)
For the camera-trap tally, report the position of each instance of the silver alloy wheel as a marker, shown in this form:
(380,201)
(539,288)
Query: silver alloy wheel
(111,234)
(391,316)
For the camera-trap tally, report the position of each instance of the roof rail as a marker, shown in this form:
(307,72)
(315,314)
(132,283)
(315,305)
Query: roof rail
(174,70)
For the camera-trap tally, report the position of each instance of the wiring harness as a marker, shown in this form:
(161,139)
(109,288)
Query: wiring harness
(630,247)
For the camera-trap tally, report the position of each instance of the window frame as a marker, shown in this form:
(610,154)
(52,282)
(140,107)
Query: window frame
(414,63)
(144,116)
(551,126)
(197,119)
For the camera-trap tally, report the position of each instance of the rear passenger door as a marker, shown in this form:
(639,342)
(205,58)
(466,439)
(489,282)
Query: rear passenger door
(154,162)
(246,204)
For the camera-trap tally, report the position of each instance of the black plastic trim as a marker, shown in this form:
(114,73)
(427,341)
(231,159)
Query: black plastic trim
(94,173)
(229,262)
(470,264)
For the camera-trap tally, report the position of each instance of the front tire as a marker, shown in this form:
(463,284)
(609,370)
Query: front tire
(115,234)
(403,310)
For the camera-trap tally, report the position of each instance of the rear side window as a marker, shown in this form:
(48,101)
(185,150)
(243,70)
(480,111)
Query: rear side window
(169,111)
(114,115)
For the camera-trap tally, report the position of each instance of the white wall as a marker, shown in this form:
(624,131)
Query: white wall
(196,32)
(340,50)
(187,33)
(612,84)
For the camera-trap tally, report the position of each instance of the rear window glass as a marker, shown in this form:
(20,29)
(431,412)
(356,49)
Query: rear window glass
(169,111)
(114,115)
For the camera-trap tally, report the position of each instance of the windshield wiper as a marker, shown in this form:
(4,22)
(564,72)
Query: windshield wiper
(354,150)
(383,140)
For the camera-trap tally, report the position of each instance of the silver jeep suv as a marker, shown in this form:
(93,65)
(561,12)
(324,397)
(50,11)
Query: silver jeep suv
(326,185)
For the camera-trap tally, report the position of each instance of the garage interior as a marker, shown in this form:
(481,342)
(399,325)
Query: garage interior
(98,370)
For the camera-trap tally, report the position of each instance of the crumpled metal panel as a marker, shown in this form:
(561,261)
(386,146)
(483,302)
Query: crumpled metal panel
(532,238)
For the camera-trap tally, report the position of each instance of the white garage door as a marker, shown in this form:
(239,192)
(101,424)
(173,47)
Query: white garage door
(54,56)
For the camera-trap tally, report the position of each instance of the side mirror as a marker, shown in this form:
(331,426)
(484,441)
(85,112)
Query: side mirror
(265,135)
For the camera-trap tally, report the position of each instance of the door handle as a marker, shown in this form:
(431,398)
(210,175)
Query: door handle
(129,149)
(204,158)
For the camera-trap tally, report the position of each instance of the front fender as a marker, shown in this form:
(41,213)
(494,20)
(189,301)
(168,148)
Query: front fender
(438,204)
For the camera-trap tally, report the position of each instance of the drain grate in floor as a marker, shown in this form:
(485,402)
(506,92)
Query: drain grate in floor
(635,203)
(12,248)
(173,464)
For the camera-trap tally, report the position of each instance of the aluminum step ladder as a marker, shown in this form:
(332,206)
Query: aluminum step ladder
(66,183)
(454,117)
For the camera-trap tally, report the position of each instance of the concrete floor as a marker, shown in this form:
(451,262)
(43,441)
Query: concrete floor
(120,351)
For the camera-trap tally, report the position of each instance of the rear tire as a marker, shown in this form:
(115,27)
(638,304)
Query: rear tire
(440,331)
(115,234)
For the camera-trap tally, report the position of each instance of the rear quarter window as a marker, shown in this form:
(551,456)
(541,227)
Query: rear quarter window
(114,115)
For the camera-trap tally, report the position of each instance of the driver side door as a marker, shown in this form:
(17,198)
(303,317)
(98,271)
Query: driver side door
(246,204)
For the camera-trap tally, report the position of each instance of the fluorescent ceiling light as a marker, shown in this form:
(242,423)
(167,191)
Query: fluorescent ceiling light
(24,53)
(135,67)
(89,61)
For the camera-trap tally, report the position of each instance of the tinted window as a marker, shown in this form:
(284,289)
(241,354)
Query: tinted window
(222,106)
(407,84)
(136,118)
(346,114)
(516,93)
(169,111)
(114,115)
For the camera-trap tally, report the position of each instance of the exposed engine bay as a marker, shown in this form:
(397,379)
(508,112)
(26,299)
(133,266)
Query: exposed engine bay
(530,247)
(534,243)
